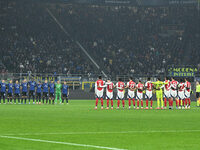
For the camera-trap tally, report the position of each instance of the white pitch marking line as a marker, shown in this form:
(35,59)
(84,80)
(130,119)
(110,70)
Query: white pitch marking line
(56,142)
(122,132)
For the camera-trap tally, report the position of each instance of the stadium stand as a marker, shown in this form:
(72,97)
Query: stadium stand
(36,44)
(122,39)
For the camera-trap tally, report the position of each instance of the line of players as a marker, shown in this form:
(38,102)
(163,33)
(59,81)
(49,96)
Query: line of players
(37,91)
(173,90)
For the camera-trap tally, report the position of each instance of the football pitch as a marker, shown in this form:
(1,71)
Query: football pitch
(77,126)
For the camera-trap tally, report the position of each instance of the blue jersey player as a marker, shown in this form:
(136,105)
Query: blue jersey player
(10,91)
(45,88)
(38,93)
(32,85)
(24,87)
(3,91)
(65,92)
(17,91)
(51,92)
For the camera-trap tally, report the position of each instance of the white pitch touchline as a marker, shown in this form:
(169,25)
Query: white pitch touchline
(122,132)
(65,143)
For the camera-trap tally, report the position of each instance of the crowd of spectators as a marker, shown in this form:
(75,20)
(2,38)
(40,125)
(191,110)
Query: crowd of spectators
(121,39)
(126,40)
(31,41)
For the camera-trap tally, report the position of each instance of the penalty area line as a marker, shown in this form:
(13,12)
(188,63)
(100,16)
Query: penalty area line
(64,143)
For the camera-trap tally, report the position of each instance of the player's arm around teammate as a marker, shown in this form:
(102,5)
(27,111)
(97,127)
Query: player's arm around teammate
(99,89)
(149,93)
(181,94)
(139,97)
(131,85)
(159,93)
(109,92)
(120,92)
(174,91)
(167,94)
(188,90)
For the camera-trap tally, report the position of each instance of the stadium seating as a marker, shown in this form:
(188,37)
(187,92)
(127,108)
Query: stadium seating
(122,39)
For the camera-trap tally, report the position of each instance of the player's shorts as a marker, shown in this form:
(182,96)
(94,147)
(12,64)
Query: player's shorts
(99,94)
(51,94)
(197,94)
(17,95)
(64,95)
(39,95)
(181,95)
(148,94)
(120,95)
(131,94)
(45,94)
(167,94)
(187,94)
(31,93)
(3,94)
(159,94)
(139,96)
(173,93)
(109,95)
(10,94)
(24,93)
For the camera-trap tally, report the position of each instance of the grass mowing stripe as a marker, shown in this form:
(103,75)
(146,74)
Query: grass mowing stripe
(122,132)
(56,142)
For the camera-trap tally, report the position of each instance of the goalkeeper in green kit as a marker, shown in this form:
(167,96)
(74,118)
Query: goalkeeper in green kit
(58,92)
(159,92)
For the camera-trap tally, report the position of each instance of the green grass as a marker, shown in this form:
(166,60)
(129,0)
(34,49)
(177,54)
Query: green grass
(79,123)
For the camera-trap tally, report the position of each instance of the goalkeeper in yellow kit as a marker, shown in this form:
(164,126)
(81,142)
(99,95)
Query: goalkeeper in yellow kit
(159,85)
